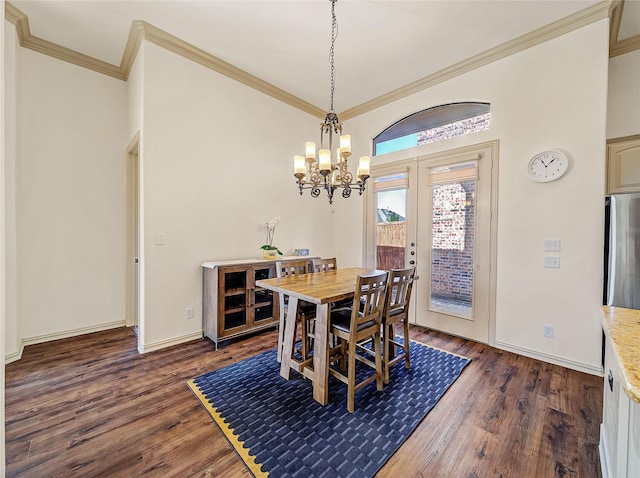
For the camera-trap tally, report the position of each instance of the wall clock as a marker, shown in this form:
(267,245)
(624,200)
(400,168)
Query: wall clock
(548,166)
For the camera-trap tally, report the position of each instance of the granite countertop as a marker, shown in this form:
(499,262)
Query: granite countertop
(623,327)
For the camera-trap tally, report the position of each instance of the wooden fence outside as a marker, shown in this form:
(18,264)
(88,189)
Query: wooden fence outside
(392,234)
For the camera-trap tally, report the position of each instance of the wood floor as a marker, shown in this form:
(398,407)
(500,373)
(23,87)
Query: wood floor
(92,406)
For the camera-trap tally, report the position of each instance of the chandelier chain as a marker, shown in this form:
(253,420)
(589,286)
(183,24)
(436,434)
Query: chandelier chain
(334,35)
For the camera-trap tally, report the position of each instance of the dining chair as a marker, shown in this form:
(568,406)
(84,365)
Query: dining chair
(306,312)
(396,311)
(324,265)
(354,327)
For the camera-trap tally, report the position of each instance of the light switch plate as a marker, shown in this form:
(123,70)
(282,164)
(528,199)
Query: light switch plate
(552,245)
(552,262)
(160,238)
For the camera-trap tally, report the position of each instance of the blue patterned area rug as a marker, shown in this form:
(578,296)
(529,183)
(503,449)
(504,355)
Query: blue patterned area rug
(279,430)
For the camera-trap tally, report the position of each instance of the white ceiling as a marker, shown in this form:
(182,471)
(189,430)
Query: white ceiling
(381,46)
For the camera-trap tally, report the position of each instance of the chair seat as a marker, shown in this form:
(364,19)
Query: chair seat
(341,320)
(394,313)
(304,308)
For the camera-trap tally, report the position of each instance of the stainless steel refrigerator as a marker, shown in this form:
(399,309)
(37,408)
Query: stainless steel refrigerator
(622,251)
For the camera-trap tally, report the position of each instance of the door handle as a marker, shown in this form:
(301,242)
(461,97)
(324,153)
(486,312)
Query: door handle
(135,261)
(610,379)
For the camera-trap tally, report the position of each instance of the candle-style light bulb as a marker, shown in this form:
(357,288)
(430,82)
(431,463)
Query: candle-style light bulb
(310,150)
(345,143)
(324,160)
(364,166)
(298,165)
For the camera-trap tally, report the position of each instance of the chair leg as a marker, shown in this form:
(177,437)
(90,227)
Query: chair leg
(311,332)
(387,344)
(392,336)
(407,360)
(376,348)
(304,337)
(343,354)
(351,392)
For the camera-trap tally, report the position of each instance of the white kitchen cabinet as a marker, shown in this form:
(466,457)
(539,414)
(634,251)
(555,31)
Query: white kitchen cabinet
(623,165)
(620,430)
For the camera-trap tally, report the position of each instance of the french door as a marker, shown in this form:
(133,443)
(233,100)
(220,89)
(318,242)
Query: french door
(435,213)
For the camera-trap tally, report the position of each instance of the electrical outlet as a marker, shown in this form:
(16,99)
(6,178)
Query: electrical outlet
(190,313)
(548,331)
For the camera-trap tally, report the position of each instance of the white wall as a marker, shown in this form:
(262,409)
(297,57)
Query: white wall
(3,249)
(549,96)
(69,183)
(623,115)
(10,335)
(217,164)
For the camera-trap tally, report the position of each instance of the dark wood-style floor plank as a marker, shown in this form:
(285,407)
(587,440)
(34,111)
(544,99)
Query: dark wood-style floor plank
(91,406)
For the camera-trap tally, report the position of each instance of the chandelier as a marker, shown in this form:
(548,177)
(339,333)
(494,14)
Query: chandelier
(322,172)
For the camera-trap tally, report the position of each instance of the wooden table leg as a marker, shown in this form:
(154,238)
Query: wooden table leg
(289,337)
(281,325)
(320,355)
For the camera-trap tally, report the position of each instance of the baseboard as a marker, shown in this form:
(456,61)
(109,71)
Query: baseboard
(14,357)
(579,366)
(38,339)
(169,342)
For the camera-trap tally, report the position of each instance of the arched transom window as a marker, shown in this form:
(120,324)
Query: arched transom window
(433,124)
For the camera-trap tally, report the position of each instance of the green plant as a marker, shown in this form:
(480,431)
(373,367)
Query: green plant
(271,229)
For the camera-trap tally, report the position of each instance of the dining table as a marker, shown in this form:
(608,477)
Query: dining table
(321,289)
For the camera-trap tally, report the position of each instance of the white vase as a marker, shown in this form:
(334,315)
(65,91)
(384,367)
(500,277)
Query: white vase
(270,254)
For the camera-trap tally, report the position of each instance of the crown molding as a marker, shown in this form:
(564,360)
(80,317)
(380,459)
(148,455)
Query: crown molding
(625,46)
(565,25)
(136,35)
(27,40)
(180,47)
(141,30)
(620,47)
(615,16)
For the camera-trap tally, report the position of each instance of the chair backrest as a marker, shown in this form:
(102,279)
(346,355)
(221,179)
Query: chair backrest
(368,301)
(324,265)
(290,268)
(399,290)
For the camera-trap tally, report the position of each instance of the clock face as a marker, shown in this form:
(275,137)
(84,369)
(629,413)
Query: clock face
(547,166)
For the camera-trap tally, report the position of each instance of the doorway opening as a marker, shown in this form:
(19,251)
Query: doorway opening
(132,281)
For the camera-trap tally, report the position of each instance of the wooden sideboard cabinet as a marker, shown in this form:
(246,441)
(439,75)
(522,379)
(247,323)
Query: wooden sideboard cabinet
(232,304)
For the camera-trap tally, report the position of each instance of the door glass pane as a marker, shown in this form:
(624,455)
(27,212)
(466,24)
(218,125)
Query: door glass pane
(452,245)
(391,224)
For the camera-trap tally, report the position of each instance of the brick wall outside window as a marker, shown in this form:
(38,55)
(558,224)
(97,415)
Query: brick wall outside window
(452,241)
